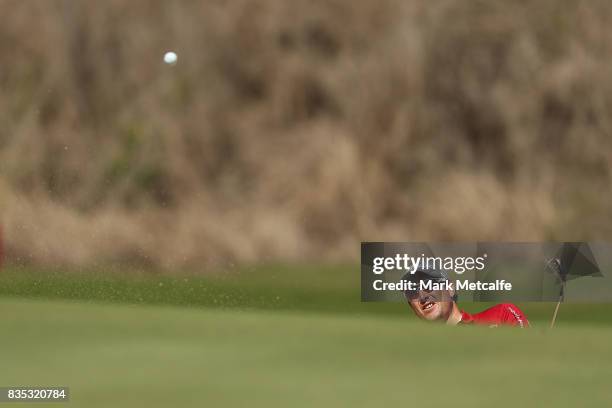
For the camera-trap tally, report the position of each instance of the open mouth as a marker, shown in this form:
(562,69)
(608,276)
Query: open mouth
(427,306)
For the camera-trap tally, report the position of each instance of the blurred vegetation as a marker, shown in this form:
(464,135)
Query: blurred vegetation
(294,130)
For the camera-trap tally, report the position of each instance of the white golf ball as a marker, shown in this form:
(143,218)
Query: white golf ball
(170,58)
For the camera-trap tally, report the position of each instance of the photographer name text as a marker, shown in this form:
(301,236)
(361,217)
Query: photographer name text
(428,285)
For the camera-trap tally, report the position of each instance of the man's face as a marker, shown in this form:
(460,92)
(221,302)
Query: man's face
(431,305)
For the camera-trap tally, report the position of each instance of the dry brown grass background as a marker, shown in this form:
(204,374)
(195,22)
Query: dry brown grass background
(292,130)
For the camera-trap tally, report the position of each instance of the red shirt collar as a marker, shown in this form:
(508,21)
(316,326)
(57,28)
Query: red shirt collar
(466,317)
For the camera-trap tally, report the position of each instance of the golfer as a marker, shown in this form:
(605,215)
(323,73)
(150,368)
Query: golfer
(441,305)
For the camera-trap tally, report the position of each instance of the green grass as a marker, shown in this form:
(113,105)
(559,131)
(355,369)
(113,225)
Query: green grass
(282,336)
(162,356)
(333,288)
(316,289)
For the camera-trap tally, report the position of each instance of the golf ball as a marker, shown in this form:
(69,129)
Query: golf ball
(170,58)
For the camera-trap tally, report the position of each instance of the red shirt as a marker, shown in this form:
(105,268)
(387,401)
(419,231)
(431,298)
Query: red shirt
(505,314)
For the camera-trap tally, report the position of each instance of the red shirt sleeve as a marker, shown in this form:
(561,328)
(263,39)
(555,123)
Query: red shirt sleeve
(505,314)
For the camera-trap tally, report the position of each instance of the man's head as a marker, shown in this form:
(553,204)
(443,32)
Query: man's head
(431,300)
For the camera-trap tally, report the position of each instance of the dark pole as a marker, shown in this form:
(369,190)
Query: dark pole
(561,295)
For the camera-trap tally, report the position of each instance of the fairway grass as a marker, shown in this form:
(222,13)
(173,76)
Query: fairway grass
(311,289)
(160,356)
